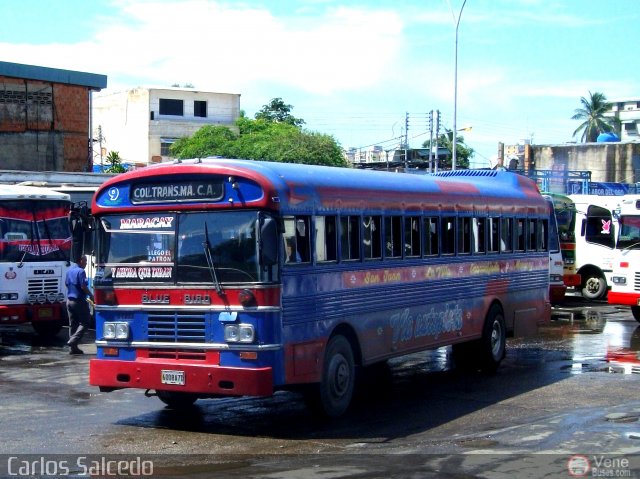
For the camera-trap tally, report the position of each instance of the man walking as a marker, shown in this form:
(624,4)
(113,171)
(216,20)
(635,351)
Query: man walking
(77,306)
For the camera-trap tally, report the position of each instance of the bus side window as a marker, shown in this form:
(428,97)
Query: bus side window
(372,237)
(393,236)
(296,237)
(494,235)
(532,230)
(412,236)
(326,240)
(464,235)
(349,238)
(448,235)
(521,234)
(431,232)
(543,235)
(479,236)
(506,235)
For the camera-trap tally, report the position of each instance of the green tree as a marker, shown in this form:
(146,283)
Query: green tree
(262,140)
(115,163)
(592,116)
(278,111)
(464,153)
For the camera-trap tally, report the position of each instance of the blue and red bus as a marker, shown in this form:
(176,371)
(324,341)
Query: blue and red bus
(231,277)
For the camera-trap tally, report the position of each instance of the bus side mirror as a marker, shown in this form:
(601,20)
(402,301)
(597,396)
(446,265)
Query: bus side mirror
(583,228)
(269,242)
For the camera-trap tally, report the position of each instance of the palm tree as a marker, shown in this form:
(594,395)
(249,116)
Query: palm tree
(592,115)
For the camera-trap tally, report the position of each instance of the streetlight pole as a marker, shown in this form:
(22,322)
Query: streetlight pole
(455,85)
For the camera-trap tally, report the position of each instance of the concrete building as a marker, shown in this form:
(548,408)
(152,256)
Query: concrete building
(628,112)
(45,117)
(142,123)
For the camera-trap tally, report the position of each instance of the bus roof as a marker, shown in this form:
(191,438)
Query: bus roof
(296,185)
(21,192)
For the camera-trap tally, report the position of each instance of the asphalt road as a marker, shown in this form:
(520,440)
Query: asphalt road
(557,402)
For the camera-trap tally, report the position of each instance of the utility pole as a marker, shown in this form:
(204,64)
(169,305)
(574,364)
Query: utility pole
(406,140)
(437,134)
(100,139)
(430,140)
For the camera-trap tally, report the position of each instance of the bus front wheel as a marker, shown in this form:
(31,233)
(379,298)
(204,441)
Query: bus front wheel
(635,310)
(177,400)
(594,286)
(338,377)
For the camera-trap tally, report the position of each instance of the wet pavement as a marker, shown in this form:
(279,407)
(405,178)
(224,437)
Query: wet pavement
(571,390)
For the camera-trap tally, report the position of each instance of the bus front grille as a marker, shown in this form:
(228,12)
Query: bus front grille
(193,355)
(179,327)
(43,286)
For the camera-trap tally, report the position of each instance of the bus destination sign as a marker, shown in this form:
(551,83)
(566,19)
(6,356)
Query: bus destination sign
(177,191)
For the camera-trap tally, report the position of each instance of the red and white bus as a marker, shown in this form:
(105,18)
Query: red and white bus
(231,277)
(35,248)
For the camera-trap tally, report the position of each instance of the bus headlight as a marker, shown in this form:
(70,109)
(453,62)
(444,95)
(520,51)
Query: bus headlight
(239,333)
(8,296)
(621,280)
(555,278)
(115,330)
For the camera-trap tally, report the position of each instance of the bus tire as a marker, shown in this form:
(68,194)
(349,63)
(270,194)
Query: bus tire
(47,329)
(338,377)
(177,400)
(594,286)
(492,345)
(635,310)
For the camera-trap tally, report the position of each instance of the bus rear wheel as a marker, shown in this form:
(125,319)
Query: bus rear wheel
(635,310)
(177,400)
(338,378)
(487,352)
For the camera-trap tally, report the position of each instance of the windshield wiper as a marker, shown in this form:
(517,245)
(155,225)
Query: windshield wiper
(632,245)
(212,268)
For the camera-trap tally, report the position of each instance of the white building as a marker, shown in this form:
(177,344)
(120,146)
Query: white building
(142,123)
(627,110)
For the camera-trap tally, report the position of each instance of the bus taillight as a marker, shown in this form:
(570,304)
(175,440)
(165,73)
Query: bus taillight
(247,298)
(106,297)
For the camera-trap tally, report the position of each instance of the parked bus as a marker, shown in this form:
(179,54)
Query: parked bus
(597,240)
(557,287)
(625,279)
(35,248)
(565,212)
(230,277)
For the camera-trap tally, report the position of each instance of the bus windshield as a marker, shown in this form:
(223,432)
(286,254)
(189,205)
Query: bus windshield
(177,248)
(33,231)
(629,237)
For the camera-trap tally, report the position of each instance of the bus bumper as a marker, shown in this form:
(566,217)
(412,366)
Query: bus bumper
(628,299)
(23,313)
(205,379)
(557,293)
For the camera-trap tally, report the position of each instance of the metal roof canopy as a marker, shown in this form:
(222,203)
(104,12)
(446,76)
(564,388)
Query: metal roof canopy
(30,72)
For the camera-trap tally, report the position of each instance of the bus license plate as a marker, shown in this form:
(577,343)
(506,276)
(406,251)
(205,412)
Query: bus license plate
(172,377)
(45,313)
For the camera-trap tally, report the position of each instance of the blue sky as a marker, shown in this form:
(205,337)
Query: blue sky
(354,69)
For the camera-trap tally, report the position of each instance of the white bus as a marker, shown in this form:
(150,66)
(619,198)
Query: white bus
(35,249)
(557,287)
(625,284)
(598,240)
